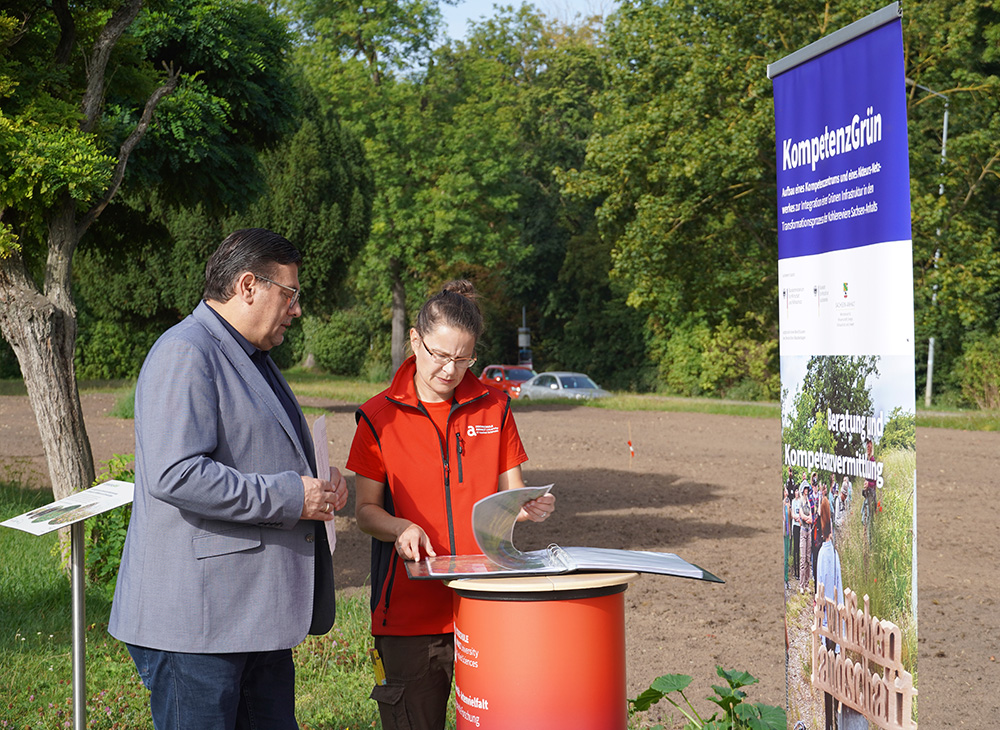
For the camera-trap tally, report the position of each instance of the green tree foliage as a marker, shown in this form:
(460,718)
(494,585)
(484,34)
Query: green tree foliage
(952,48)
(318,194)
(682,165)
(464,143)
(735,362)
(41,159)
(141,273)
(53,71)
(441,128)
(682,162)
(588,327)
(552,74)
(79,87)
(316,191)
(142,268)
(616,182)
(236,100)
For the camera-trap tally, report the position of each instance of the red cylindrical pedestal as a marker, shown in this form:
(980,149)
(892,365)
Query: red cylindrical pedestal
(541,652)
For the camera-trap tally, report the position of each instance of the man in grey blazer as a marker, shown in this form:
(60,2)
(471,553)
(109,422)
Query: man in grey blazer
(226,564)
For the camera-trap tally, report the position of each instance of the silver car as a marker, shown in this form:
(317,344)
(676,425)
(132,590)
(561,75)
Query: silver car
(559,384)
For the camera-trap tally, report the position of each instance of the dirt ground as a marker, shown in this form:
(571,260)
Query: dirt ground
(707,488)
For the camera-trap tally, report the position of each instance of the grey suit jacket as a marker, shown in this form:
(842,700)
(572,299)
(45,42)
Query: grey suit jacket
(216,558)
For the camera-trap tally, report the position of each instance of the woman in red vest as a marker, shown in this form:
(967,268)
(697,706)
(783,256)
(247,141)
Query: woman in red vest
(427,448)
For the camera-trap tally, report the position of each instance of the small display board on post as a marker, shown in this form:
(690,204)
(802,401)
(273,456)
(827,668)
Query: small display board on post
(71,512)
(74,508)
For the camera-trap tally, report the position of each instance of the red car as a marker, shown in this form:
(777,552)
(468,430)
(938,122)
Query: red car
(507,378)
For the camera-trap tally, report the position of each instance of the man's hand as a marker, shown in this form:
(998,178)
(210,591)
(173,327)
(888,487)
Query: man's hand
(323,497)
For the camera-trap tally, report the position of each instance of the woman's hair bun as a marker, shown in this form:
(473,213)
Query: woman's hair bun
(455,305)
(460,286)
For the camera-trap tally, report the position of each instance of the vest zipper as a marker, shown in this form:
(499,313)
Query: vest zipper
(447,495)
(458,451)
(388,587)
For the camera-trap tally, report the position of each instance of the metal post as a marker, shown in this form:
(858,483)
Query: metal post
(928,391)
(78,565)
(937,252)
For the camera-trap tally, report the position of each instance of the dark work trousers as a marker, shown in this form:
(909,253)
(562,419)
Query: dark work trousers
(418,673)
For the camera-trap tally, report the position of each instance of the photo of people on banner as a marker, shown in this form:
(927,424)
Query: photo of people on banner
(847,481)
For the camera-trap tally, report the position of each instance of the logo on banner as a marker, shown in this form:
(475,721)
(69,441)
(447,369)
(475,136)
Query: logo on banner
(845,290)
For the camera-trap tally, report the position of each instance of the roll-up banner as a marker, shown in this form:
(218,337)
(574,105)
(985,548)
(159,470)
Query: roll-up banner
(845,292)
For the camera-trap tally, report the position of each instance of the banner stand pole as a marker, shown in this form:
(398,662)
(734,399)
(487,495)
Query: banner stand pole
(78,576)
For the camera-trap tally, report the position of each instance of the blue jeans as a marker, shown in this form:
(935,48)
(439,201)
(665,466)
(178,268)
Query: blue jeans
(245,691)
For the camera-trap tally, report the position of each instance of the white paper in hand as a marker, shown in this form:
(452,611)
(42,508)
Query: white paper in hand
(321,446)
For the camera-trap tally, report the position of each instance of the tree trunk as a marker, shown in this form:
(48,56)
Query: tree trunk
(399,330)
(40,325)
(41,329)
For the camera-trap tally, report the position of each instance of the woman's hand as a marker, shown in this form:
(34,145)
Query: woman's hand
(538,510)
(412,542)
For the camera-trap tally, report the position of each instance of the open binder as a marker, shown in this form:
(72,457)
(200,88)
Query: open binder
(493,520)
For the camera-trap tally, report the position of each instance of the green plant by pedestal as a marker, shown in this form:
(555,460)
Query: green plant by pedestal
(737,714)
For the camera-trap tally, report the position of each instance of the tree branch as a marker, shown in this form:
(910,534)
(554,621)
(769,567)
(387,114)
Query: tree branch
(67,31)
(120,20)
(173,77)
(987,170)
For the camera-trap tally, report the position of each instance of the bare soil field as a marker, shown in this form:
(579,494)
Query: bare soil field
(708,488)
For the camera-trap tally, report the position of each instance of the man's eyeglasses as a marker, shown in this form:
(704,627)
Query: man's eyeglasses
(296,293)
(440,359)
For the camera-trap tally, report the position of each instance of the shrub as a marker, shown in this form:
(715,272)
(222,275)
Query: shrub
(375,370)
(106,349)
(124,406)
(105,533)
(732,360)
(680,362)
(339,343)
(292,351)
(978,372)
(738,355)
